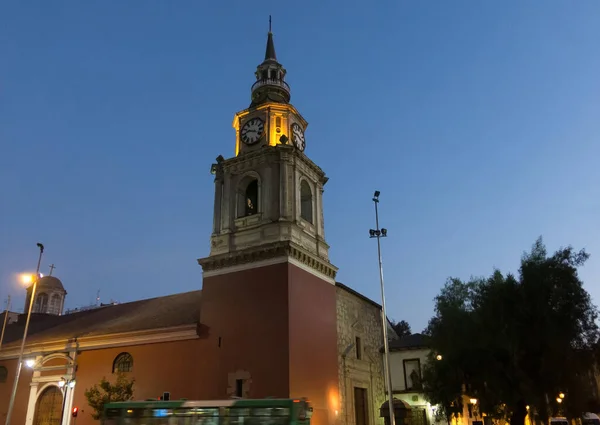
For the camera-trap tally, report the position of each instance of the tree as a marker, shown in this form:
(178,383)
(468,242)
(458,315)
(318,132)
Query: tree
(402,328)
(105,392)
(513,342)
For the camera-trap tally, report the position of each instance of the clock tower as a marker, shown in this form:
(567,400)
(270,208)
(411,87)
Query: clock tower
(271,119)
(268,295)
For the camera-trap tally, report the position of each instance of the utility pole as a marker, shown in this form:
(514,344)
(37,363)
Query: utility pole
(5,320)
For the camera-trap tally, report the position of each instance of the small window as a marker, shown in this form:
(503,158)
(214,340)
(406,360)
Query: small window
(3,374)
(239,387)
(306,203)
(358,348)
(412,374)
(123,363)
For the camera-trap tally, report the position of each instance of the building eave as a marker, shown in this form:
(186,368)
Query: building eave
(96,342)
(358,294)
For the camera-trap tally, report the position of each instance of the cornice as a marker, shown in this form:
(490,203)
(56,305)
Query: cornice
(152,336)
(278,153)
(265,106)
(250,160)
(273,250)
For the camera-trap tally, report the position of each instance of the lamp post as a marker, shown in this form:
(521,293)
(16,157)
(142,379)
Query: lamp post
(382,233)
(11,403)
(66,384)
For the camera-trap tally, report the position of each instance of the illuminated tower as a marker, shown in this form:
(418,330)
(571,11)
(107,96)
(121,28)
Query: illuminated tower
(269,297)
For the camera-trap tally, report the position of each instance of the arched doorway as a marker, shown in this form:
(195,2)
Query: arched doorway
(48,407)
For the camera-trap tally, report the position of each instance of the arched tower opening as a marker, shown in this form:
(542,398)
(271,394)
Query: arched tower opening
(306,202)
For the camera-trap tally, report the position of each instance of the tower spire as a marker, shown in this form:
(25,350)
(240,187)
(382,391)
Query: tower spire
(270,85)
(270,51)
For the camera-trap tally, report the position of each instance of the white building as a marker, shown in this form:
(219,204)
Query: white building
(408,358)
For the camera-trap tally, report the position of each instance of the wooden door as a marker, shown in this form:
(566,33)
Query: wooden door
(361,406)
(48,408)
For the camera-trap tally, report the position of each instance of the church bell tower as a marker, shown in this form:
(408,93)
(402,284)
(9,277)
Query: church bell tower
(268,296)
(270,191)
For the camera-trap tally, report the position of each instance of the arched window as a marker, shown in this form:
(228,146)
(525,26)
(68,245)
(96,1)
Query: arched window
(251,196)
(54,304)
(306,202)
(3,374)
(123,363)
(41,303)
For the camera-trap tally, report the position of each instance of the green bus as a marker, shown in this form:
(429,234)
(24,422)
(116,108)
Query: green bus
(268,411)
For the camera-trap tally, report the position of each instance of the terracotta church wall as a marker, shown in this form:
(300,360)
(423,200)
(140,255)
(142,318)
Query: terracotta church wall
(246,313)
(175,367)
(313,343)
(20,409)
(178,367)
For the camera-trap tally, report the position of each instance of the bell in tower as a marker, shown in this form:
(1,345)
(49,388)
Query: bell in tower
(268,285)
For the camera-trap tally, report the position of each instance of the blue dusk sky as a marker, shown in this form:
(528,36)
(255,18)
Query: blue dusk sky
(477,120)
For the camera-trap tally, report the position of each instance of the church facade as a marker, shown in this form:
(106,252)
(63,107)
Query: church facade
(269,321)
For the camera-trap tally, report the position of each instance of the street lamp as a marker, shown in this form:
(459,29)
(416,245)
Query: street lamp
(66,384)
(382,233)
(438,357)
(11,403)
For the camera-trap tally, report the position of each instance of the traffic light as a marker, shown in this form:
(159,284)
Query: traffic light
(75,410)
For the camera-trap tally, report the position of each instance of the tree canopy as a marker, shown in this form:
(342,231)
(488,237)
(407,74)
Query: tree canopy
(515,342)
(402,328)
(105,392)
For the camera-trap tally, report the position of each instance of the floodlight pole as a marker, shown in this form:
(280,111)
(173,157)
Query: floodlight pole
(379,233)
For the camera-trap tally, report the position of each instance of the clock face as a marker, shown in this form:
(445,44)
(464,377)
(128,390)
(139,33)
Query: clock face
(298,137)
(252,131)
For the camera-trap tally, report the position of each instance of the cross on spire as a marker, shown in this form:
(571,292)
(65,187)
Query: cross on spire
(269,23)
(52,267)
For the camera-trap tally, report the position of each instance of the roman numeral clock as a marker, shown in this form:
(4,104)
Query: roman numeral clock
(298,136)
(252,131)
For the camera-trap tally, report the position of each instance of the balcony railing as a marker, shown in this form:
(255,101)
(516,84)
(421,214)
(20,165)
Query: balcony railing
(270,82)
